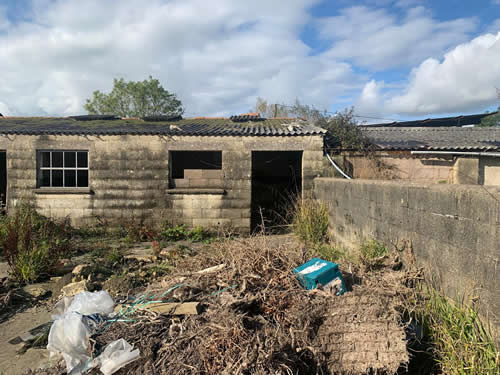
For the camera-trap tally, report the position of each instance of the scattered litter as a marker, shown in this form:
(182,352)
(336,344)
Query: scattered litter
(116,355)
(318,272)
(31,335)
(75,320)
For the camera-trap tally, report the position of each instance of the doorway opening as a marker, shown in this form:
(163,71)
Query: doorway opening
(276,181)
(3,181)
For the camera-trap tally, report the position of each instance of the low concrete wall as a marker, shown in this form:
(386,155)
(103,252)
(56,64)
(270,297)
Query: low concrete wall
(453,230)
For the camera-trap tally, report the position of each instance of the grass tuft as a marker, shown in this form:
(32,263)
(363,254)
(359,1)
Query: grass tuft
(310,221)
(33,244)
(462,344)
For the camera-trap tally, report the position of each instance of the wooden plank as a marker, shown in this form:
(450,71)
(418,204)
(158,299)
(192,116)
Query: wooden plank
(167,308)
(211,269)
(186,308)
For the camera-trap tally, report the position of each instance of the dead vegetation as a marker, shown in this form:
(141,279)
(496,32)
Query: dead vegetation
(256,319)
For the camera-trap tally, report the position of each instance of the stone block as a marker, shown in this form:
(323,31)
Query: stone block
(198,182)
(193,173)
(180,183)
(212,174)
(74,288)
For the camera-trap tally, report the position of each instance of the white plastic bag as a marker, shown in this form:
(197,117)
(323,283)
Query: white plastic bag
(87,303)
(68,335)
(116,355)
(72,326)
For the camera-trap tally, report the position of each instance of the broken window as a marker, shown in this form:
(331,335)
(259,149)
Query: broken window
(196,169)
(65,169)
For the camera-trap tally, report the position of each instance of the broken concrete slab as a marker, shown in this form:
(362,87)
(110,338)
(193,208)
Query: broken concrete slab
(74,288)
(141,254)
(35,291)
(78,270)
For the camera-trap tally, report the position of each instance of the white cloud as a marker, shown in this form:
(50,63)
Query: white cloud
(465,80)
(216,58)
(378,39)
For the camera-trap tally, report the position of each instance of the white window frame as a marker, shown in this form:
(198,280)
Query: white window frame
(63,168)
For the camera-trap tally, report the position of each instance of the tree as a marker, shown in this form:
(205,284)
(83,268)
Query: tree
(344,132)
(305,111)
(269,110)
(491,121)
(135,99)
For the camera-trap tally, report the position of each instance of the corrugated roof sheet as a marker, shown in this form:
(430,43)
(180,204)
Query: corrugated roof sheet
(434,139)
(456,121)
(193,127)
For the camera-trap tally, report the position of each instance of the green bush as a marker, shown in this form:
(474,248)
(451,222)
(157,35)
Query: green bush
(33,244)
(199,234)
(310,220)
(372,252)
(174,233)
(461,343)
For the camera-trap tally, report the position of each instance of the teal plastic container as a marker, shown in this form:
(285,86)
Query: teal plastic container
(319,271)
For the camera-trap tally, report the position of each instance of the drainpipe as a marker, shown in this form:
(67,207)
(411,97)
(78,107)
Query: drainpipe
(493,154)
(337,167)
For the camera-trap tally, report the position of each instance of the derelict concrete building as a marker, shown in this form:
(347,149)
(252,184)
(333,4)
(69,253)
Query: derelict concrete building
(202,171)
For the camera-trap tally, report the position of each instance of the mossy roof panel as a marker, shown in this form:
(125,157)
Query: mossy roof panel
(192,127)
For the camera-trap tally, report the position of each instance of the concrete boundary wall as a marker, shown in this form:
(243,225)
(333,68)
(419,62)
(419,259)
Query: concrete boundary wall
(453,230)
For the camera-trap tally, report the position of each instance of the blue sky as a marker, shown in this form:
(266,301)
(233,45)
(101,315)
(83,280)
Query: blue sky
(394,59)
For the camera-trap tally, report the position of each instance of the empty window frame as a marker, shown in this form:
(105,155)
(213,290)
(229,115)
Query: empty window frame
(182,160)
(62,169)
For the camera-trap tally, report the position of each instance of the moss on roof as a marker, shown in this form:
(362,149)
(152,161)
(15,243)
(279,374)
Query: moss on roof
(197,126)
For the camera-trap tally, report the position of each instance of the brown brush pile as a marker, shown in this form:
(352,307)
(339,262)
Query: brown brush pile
(257,319)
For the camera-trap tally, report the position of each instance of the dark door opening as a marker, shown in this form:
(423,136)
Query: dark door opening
(276,180)
(3,180)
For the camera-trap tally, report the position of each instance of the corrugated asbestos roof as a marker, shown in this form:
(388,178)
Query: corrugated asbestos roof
(456,121)
(434,139)
(193,127)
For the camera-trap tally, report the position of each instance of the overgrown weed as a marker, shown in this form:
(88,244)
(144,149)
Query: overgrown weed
(372,253)
(461,343)
(310,220)
(33,244)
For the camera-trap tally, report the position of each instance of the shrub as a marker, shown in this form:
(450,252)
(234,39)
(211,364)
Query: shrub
(310,220)
(372,252)
(461,344)
(174,233)
(137,231)
(34,244)
(199,234)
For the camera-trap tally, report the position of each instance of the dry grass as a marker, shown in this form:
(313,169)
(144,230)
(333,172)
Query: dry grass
(310,220)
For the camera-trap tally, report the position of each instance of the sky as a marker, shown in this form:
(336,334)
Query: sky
(390,59)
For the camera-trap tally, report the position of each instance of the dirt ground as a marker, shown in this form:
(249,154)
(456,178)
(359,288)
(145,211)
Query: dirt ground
(255,316)
(10,362)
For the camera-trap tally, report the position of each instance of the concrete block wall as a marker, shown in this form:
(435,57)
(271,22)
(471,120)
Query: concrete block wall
(402,165)
(200,178)
(453,230)
(129,178)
